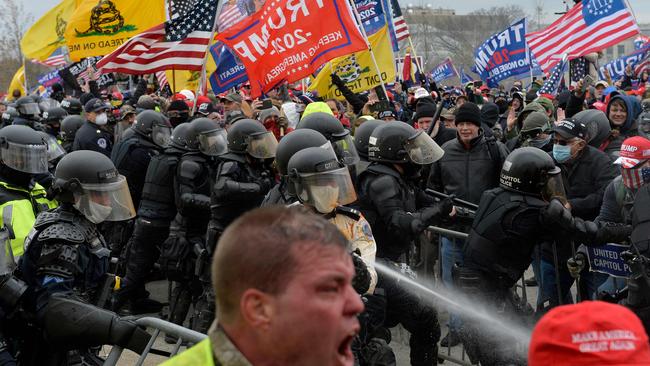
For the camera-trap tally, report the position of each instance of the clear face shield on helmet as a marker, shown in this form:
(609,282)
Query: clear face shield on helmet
(327,190)
(100,202)
(262,146)
(31,109)
(213,143)
(554,187)
(161,135)
(422,149)
(345,149)
(54,150)
(30,159)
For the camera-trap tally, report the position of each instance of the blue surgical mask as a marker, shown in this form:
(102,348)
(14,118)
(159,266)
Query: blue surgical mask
(561,153)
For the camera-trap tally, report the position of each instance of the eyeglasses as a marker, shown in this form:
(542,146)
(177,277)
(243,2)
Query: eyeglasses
(563,142)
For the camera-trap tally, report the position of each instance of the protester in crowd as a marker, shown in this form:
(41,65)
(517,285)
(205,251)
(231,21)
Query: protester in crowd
(466,170)
(272,308)
(622,111)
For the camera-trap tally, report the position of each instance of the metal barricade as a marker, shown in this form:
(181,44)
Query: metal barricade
(184,336)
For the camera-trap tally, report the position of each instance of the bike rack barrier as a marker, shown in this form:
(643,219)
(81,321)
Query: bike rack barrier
(184,336)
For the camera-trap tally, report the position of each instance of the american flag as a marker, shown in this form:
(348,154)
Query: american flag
(553,82)
(578,68)
(634,177)
(56,59)
(401,28)
(162,78)
(233,11)
(589,26)
(178,8)
(180,43)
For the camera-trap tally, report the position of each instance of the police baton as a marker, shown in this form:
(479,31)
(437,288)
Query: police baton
(436,116)
(455,200)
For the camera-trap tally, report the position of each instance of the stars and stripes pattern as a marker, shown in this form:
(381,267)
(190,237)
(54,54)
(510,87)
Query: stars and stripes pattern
(589,26)
(179,8)
(401,28)
(56,59)
(553,82)
(162,78)
(634,177)
(578,68)
(233,11)
(180,43)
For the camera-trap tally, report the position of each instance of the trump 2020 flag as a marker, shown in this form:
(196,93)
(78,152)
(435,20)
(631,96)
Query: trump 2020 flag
(616,68)
(590,26)
(503,54)
(443,71)
(285,42)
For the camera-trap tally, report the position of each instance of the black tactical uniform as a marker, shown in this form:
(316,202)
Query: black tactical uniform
(156,211)
(510,221)
(283,193)
(192,186)
(398,210)
(361,136)
(52,119)
(65,252)
(72,106)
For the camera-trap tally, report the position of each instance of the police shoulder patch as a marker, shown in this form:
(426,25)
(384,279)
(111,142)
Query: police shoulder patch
(101,142)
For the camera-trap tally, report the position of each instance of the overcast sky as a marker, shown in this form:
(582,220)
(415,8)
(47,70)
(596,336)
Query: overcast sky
(641,8)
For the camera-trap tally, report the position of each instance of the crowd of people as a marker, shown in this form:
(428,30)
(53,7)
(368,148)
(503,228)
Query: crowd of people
(103,190)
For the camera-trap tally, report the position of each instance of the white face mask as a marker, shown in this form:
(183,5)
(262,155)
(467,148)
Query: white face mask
(98,213)
(325,198)
(101,119)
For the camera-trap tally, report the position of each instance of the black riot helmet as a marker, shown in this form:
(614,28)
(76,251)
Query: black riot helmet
(213,140)
(54,115)
(27,107)
(363,133)
(90,181)
(319,179)
(72,106)
(294,142)
(398,142)
(153,126)
(251,137)
(531,171)
(184,138)
(23,149)
(598,127)
(69,127)
(8,116)
(330,127)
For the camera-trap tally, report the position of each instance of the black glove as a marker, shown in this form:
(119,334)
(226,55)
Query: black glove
(576,264)
(556,214)
(361,280)
(438,211)
(266,182)
(613,233)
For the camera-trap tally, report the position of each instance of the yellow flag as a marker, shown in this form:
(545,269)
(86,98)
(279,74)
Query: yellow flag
(17,82)
(98,27)
(357,70)
(46,35)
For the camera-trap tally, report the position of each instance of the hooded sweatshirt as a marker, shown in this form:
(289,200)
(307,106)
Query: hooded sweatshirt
(612,145)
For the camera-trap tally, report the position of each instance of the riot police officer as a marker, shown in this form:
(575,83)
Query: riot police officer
(91,136)
(72,106)
(23,155)
(398,210)
(69,127)
(52,119)
(283,193)
(156,211)
(65,252)
(28,112)
(361,136)
(330,127)
(525,210)
(8,116)
(187,232)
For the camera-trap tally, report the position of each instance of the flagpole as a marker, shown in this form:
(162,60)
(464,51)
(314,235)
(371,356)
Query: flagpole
(454,67)
(25,76)
(417,63)
(174,80)
(372,54)
(199,88)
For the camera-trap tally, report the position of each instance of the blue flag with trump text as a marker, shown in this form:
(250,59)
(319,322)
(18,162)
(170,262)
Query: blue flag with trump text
(229,73)
(443,71)
(503,55)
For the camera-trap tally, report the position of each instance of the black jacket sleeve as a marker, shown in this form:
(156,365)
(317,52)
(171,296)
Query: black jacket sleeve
(574,105)
(357,101)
